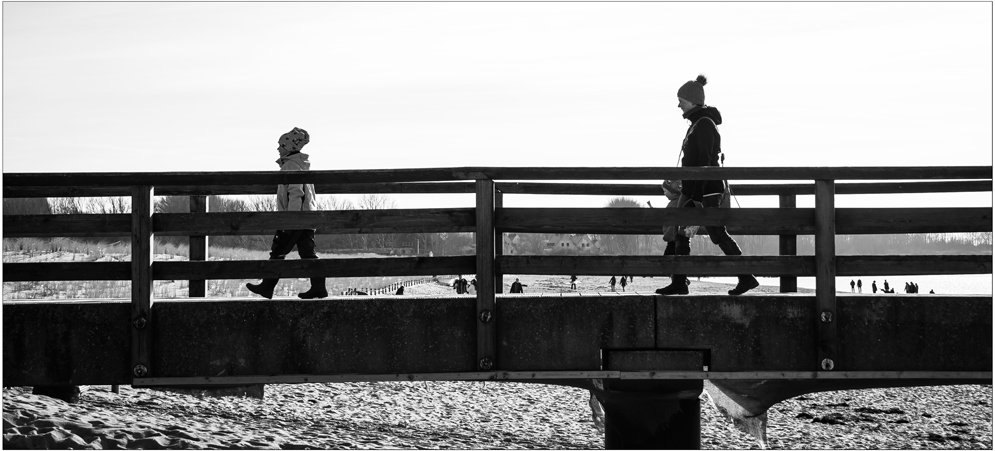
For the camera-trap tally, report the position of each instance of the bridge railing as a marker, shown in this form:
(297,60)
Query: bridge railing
(489,219)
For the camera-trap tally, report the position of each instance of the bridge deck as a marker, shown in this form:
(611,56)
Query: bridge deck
(539,336)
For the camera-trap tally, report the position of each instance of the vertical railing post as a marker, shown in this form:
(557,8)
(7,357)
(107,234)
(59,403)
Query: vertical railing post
(788,245)
(141,280)
(825,272)
(486,318)
(498,245)
(198,247)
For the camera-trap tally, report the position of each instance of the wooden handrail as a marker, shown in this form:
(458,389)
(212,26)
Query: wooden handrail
(164,179)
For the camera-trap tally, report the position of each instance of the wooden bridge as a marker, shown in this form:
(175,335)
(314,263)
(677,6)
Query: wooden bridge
(644,356)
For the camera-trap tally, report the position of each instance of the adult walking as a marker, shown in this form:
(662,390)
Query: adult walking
(293,197)
(702,147)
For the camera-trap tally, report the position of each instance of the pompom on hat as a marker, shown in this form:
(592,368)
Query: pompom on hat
(295,139)
(694,90)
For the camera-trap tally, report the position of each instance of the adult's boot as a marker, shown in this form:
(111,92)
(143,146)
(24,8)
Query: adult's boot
(678,285)
(317,290)
(746,283)
(264,288)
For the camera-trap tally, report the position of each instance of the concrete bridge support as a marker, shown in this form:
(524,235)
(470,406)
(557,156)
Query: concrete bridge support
(667,418)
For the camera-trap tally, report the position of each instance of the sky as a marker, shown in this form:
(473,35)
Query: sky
(187,86)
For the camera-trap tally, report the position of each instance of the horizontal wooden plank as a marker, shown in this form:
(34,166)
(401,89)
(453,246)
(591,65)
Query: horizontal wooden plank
(596,189)
(650,221)
(161,179)
(695,265)
(851,221)
(66,225)
(912,265)
(31,272)
(742,221)
(325,267)
(622,189)
(761,265)
(326,222)
(632,221)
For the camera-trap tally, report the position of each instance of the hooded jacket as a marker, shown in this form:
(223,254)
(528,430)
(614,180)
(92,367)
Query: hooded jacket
(295,196)
(702,146)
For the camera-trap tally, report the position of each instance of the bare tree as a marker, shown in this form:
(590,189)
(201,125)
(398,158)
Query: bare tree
(620,244)
(377,202)
(65,205)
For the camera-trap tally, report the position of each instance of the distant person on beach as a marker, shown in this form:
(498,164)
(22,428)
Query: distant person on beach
(622,283)
(702,147)
(885,285)
(516,287)
(874,287)
(400,290)
(293,197)
(915,287)
(860,286)
(851,286)
(612,283)
(573,282)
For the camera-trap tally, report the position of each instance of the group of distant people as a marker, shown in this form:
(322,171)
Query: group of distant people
(621,282)
(462,286)
(858,287)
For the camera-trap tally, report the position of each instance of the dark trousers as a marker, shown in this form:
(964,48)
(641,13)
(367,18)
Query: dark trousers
(718,234)
(285,240)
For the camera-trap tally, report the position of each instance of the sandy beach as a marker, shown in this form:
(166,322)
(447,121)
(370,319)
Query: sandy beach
(474,415)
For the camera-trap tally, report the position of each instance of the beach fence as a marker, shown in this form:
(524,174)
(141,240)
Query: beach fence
(386,289)
(758,348)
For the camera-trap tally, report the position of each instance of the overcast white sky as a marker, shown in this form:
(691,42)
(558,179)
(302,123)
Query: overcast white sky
(211,86)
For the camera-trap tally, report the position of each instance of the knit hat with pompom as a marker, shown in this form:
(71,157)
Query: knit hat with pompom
(295,139)
(694,91)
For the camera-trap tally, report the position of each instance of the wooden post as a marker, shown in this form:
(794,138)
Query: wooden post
(198,247)
(486,318)
(825,272)
(141,280)
(498,245)
(788,245)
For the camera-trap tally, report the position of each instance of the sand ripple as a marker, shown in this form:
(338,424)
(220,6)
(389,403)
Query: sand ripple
(470,415)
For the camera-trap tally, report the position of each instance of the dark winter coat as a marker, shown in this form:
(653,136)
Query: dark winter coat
(702,146)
